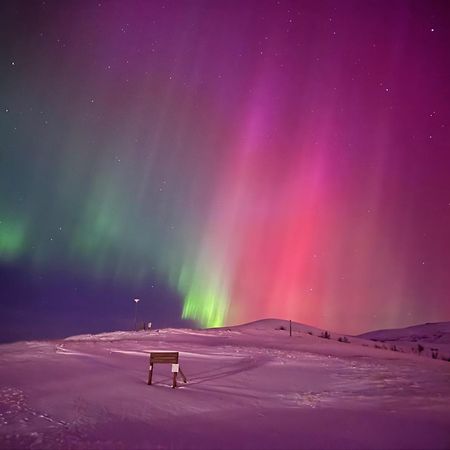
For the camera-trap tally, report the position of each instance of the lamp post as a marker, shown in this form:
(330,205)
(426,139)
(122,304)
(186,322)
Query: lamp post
(136,301)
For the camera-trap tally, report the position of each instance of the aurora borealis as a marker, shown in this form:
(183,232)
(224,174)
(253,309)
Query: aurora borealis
(224,161)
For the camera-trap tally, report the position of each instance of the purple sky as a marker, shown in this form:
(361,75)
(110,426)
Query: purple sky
(224,161)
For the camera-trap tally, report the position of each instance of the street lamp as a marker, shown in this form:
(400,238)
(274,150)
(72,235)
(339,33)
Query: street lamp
(136,301)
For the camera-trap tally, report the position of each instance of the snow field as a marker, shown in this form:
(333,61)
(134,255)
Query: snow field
(250,387)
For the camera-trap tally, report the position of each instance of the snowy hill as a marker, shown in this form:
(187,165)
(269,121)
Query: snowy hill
(249,387)
(438,332)
(431,336)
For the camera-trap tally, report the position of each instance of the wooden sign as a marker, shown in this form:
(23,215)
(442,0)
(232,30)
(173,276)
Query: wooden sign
(166,358)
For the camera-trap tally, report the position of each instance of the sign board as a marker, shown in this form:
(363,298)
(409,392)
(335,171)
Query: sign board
(166,358)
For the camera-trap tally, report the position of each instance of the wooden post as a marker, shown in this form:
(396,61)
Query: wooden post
(150,374)
(182,375)
(174,385)
(290,328)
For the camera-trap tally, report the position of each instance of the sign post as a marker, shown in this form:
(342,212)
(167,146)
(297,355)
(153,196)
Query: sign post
(166,358)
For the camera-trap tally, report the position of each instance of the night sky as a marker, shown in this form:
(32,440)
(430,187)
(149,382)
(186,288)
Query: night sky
(223,161)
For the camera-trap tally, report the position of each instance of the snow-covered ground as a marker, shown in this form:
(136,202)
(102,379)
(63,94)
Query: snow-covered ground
(434,338)
(249,387)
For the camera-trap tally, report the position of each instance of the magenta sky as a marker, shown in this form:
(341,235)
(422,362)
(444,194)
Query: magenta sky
(225,161)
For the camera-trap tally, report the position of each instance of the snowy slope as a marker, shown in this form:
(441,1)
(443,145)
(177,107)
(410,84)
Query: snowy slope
(438,332)
(429,335)
(249,387)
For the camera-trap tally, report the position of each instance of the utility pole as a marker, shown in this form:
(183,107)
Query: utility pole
(136,301)
(290,328)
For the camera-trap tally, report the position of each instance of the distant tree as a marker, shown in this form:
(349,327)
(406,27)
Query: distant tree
(420,348)
(434,353)
(325,335)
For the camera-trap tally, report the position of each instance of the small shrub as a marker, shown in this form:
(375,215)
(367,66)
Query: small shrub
(344,339)
(434,353)
(281,327)
(377,346)
(310,333)
(394,348)
(325,335)
(420,348)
